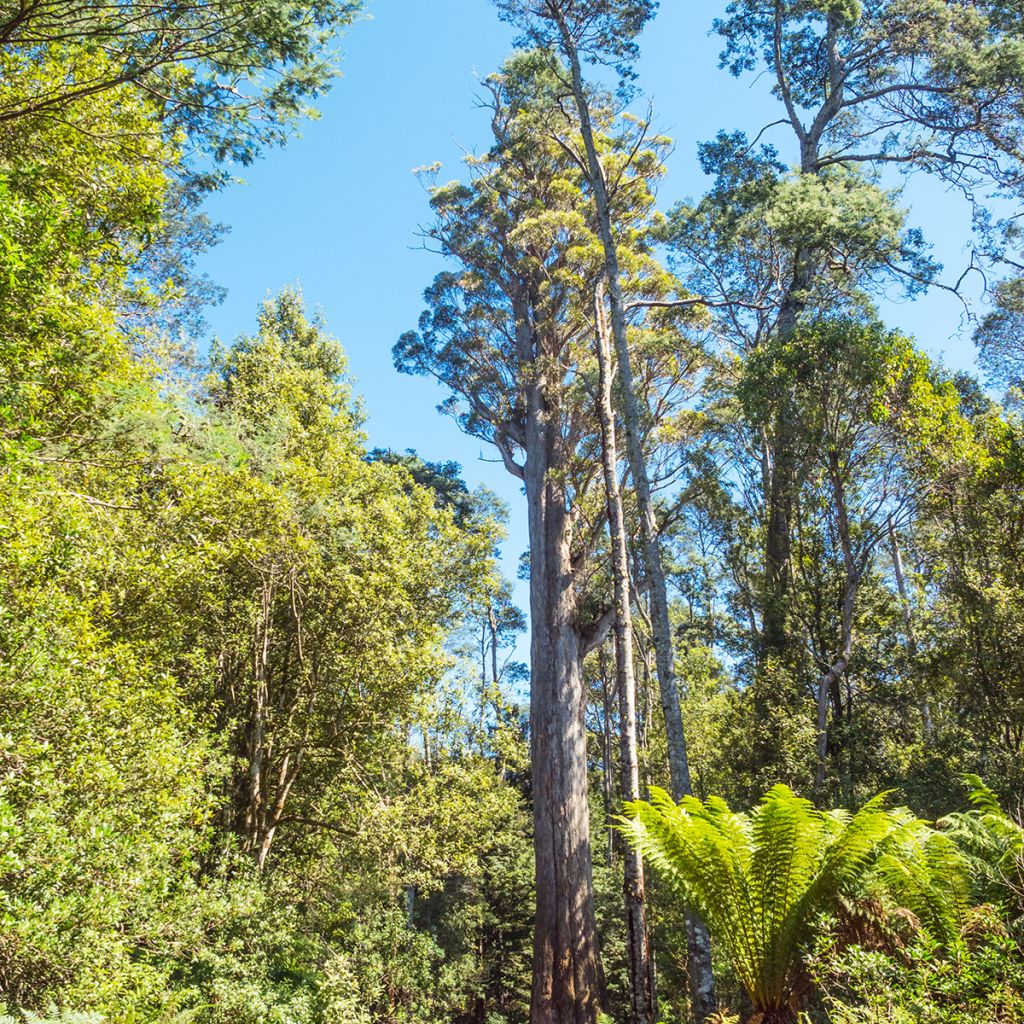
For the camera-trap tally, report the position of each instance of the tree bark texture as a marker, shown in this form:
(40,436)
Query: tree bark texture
(567,979)
(637,939)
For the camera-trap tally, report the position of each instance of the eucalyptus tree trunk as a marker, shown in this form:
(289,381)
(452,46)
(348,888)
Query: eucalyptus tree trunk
(702,981)
(482,707)
(783,475)
(775,639)
(641,981)
(927,722)
(854,571)
(608,785)
(567,982)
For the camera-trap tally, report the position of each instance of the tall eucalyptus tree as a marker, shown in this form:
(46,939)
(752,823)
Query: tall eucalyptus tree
(511,335)
(505,333)
(604,32)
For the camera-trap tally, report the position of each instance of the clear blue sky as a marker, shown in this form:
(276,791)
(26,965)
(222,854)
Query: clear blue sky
(337,210)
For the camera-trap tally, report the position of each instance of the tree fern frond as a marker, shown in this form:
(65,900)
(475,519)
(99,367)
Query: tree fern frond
(992,844)
(982,798)
(928,876)
(762,878)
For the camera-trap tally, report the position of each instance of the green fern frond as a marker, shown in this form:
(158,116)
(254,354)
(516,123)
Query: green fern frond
(760,880)
(991,843)
(982,798)
(927,875)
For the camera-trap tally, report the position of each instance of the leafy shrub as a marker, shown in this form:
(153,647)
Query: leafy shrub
(52,1017)
(920,984)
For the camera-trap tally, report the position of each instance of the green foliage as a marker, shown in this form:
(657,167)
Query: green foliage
(536,222)
(602,31)
(838,210)
(993,843)
(74,216)
(232,79)
(219,620)
(970,553)
(256,763)
(835,370)
(928,877)
(918,985)
(999,338)
(121,743)
(53,1017)
(761,879)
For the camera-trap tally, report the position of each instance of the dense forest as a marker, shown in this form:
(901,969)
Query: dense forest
(277,746)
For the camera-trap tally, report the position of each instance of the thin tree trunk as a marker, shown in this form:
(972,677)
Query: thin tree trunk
(256,741)
(492,622)
(482,710)
(701,975)
(927,724)
(830,678)
(640,976)
(287,775)
(774,632)
(825,684)
(644,735)
(608,784)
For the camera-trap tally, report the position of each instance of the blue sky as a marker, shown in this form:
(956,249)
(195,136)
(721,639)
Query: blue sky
(337,211)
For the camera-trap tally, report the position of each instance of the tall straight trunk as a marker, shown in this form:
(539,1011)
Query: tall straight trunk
(829,679)
(482,708)
(641,982)
(783,480)
(777,544)
(927,723)
(567,979)
(702,980)
(784,474)
(608,784)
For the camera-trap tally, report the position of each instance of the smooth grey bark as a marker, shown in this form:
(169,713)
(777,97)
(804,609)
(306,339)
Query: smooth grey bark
(482,709)
(701,973)
(927,723)
(608,784)
(641,980)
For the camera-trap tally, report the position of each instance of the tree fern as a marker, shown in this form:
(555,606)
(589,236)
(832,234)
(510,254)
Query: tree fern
(927,875)
(992,843)
(761,879)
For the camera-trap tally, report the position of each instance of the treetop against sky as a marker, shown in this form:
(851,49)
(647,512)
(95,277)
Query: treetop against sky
(338,211)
